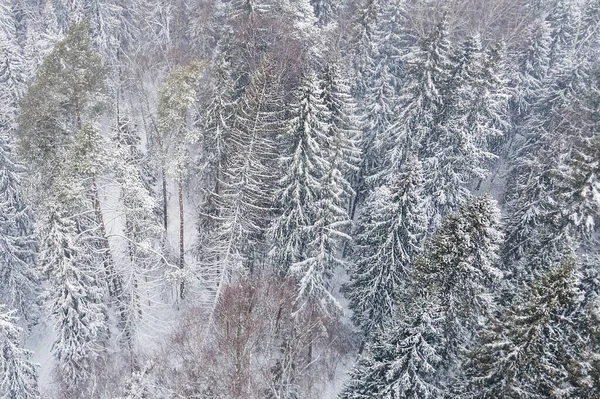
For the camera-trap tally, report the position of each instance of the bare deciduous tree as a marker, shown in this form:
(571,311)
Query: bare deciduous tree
(257,346)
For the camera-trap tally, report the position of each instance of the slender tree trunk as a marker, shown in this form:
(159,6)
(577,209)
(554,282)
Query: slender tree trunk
(133,258)
(181,231)
(114,283)
(354,199)
(164,194)
(165,215)
(181,146)
(218,175)
(136,303)
(478,184)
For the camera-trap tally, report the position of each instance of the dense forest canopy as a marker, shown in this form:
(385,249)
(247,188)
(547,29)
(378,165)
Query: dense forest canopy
(299,199)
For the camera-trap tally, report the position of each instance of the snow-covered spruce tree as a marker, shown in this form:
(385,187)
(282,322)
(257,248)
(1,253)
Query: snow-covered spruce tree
(245,201)
(330,227)
(249,178)
(363,46)
(19,281)
(563,16)
(451,106)
(551,203)
(43,32)
(543,76)
(12,68)
(248,8)
(305,162)
(60,9)
(530,69)
(526,180)
(242,43)
(577,188)
(420,109)
(535,349)
(68,257)
(325,11)
(215,121)
(587,316)
(448,299)
(588,34)
(12,63)
(402,359)
(314,192)
(458,267)
(486,109)
(564,72)
(532,243)
(393,37)
(456,153)
(380,46)
(380,102)
(389,234)
(19,378)
(176,96)
(111,26)
(418,355)
(577,195)
(344,124)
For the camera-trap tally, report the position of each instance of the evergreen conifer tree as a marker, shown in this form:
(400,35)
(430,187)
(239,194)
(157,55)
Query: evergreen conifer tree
(344,124)
(402,360)
(550,193)
(245,201)
(19,375)
(75,296)
(459,265)
(305,140)
(390,231)
(326,234)
(19,281)
(216,121)
(382,37)
(449,298)
(419,114)
(12,63)
(534,349)
(73,73)
(325,10)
